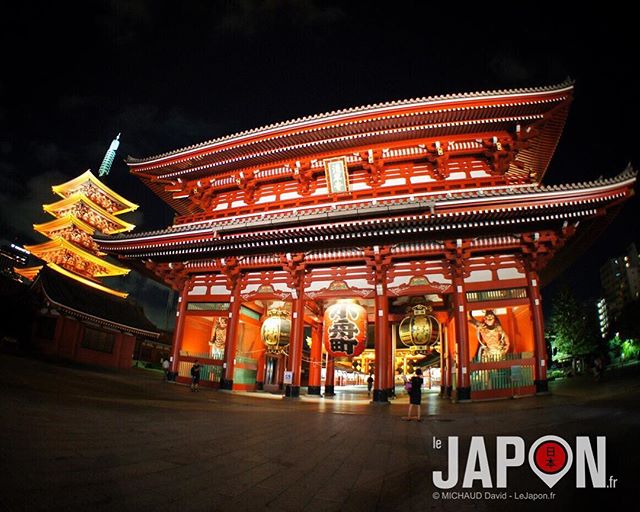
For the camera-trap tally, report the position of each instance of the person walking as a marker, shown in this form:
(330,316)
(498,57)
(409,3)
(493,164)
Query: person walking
(195,376)
(415,397)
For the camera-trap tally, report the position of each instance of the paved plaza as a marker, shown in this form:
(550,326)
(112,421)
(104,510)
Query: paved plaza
(84,439)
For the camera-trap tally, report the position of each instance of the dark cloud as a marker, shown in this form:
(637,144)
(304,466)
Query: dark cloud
(510,69)
(21,209)
(249,18)
(157,300)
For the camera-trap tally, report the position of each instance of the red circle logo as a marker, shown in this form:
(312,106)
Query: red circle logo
(550,457)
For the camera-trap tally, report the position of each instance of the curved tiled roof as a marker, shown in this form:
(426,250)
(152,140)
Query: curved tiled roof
(338,115)
(89,304)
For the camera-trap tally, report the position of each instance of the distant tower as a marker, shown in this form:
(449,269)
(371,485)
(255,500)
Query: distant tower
(107,161)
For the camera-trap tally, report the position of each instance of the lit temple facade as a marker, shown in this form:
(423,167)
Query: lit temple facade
(365,236)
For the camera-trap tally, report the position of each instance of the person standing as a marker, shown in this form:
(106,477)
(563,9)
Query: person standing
(415,397)
(165,367)
(369,384)
(195,376)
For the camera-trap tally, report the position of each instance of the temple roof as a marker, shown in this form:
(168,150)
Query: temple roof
(345,131)
(72,186)
(87,304)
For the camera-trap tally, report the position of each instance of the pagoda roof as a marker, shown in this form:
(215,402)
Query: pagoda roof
(344,131)
(70,187)
(80,198)
(65,221)
(92,305)
(58,244)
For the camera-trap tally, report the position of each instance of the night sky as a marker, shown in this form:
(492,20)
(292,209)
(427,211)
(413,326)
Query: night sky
(185,72)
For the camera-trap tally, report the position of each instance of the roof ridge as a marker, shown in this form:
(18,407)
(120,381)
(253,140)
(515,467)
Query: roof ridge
(363,108)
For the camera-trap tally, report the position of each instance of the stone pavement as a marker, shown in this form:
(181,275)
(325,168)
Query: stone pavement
(77,439)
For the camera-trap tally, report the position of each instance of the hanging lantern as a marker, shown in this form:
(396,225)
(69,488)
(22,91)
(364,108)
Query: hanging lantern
(345,329)
(420,331)
(276,330)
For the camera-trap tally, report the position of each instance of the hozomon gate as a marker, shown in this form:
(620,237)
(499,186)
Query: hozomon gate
(435,201)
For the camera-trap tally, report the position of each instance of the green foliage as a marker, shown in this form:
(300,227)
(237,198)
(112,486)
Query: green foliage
(625,349)
(572,328)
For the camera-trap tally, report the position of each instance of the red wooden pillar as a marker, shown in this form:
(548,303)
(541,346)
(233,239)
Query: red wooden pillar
(262,361)
(383,349)
(540,349)
(281,363)
(330,377)
(391,367)
(179,329)
(294,363)
(231,343)
(463,383)
(315,369)
(443,361)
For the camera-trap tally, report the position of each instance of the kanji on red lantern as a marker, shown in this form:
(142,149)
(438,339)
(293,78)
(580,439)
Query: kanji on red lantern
(345,329)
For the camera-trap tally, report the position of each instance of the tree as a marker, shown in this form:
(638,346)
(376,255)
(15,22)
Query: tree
(573,328)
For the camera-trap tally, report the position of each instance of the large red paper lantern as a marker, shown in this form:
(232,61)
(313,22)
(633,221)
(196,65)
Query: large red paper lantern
(345,329)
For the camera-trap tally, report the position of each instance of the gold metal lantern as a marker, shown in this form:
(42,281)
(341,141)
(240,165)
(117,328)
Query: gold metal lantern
(276,330)
(420,330)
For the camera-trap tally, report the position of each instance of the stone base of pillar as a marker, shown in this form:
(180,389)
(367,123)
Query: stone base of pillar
(463,394)
(226,384)
(313,390)
(380,396)
(259,386)
(329,391)
(292,391)
(542,386)
(447,391)
(443,391)
(391,392)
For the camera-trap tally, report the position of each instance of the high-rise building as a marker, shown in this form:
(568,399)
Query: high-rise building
(620,279)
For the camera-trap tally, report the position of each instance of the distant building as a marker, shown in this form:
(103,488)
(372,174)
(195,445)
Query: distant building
(12,255)
(620,279)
